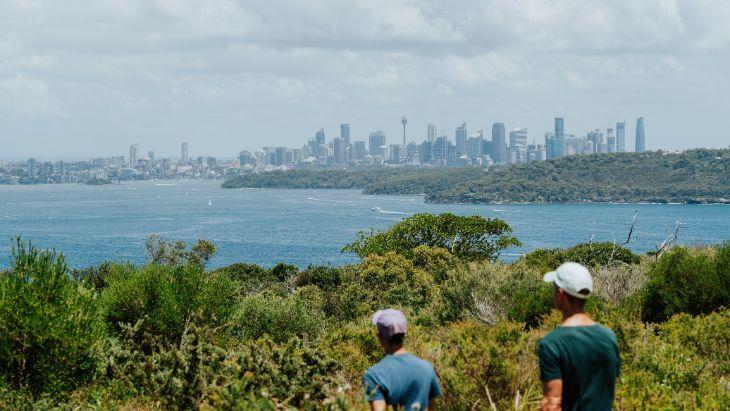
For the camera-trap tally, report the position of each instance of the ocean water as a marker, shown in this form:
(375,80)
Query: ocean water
(91,224)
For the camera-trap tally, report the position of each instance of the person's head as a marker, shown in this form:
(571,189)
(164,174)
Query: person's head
(391,326)
(572,284)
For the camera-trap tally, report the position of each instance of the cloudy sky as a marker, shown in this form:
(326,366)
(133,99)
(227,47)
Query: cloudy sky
(87,78)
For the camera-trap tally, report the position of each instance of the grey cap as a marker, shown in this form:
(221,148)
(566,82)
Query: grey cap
(572,278)
(390,322)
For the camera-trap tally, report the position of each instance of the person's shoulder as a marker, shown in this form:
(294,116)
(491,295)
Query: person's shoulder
(605,331)
(552,336)
(419,362)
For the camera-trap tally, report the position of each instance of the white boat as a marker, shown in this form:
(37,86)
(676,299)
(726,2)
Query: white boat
(210,202)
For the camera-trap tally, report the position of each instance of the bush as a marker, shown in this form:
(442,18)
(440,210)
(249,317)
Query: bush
(293,373)
(324,277)
(588,254)
(470,238)
(279,317)
(688,281)
(494,292)
(177,373)
(50,331)
(165,297)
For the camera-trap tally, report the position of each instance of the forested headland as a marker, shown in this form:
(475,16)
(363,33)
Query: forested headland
(174,334)
(692,176)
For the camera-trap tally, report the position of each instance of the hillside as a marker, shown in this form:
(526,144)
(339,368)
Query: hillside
(693,176)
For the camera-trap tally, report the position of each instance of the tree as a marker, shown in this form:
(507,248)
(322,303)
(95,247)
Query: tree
(468,237)
(162,251)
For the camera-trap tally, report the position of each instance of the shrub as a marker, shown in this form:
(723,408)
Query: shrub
(324,277)
(165,297)
(392,280)
(49,327)
(279,317)
(688,281)
(471,238)
(293,373)
(178,373)
(588,254)
(494,292)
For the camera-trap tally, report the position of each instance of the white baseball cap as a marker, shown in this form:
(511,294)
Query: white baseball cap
(572,278)
(390,322)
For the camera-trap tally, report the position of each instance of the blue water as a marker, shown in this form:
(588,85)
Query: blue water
(90,224)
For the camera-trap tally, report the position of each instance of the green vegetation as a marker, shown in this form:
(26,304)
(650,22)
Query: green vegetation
(470,238)
(172,335)
(693,176)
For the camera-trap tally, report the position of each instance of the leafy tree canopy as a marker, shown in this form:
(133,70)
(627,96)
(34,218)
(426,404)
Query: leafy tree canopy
(468,237)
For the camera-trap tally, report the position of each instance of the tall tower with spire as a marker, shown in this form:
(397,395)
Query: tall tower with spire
(404,121)
(640,137)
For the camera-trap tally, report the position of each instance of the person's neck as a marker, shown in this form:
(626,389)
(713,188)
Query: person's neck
(398,350)
(576,318)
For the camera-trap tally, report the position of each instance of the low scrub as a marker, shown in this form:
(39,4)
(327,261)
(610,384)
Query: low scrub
(50,332)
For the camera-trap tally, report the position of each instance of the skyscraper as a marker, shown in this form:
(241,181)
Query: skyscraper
(640,137)
(620,137)
(499,145)
(133,154)
(376,143)
(184,152)
(461,140)
(518,143)
(431,133)
(345,133)
(611,140)
(549,145)
(559,143)
(340,148)
(319,136)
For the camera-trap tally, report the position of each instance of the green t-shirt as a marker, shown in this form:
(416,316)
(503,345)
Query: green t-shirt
(587,360)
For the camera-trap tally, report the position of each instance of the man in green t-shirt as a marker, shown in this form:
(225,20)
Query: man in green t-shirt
(579,360)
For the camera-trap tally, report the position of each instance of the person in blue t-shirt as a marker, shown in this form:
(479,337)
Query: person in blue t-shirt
(399,379)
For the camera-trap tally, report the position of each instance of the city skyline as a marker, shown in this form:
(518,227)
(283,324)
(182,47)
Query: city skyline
(229,75)
(432,129)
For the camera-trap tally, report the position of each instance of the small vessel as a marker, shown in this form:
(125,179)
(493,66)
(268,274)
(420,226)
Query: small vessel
(376,209)
(210,202)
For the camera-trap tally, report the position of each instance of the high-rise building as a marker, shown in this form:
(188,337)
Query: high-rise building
(31,171)
(134,154)
(559,143)
(319,137)
(441,150)
(610,140)
(499,145)
(345,133)
(640,137)
(358,150)
(431,133)
(549,145)
(339,146)
(151,155)
(474,146)
(426,152)
(376,143)
(184,152)
(595,138)
(394,153)
(620,137)
(518,143)
(461,140)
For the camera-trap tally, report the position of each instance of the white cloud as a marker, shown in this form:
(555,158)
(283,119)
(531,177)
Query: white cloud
(235,65)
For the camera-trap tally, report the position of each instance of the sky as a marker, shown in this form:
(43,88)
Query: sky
(81,79)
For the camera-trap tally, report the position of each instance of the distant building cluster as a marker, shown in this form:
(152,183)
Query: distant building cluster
(467,149)
(104,170)
(437,150)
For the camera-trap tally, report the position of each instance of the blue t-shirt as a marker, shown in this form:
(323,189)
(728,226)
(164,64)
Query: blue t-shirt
(402,381)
